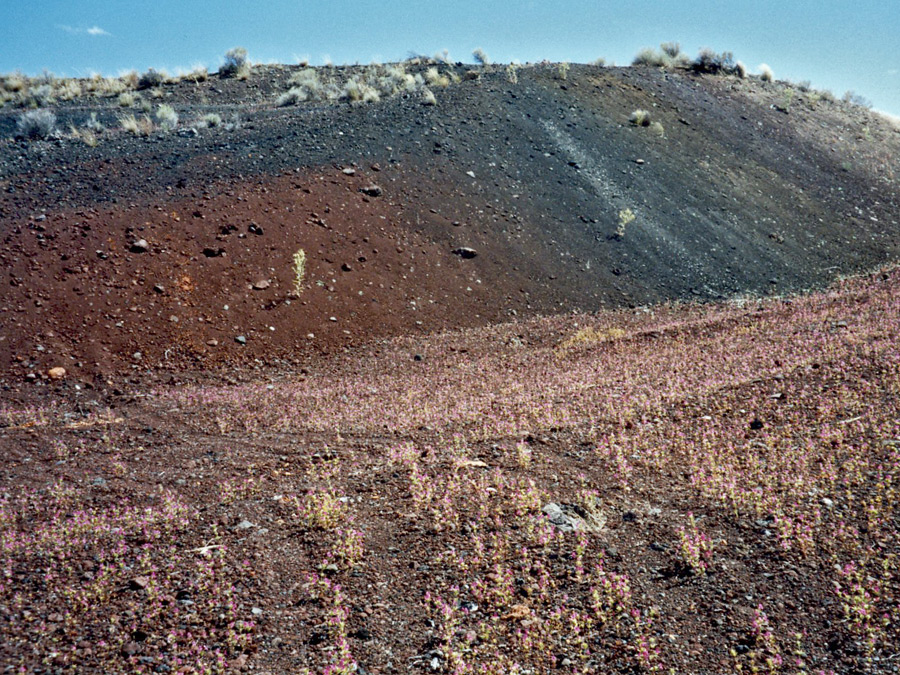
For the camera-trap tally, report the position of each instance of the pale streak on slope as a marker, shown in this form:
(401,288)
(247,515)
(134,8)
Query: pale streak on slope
(607,190)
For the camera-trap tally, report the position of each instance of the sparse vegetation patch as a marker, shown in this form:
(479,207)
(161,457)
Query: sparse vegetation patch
(36,124)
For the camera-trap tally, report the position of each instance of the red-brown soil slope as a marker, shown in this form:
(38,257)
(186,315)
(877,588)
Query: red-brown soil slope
(745,188)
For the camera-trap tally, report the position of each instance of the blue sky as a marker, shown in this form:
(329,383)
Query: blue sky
(837,44)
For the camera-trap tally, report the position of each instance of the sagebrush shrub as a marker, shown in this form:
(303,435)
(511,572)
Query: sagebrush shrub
(671,49)
(853,98)
(36,124)
(236,63)
(710,62)
(152,78)
(481,57)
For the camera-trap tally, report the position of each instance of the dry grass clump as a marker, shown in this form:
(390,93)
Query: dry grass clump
(108,87)
(90,133)
(68,90)
(428,97)
(357,90)
(167,117)
(640,118)
(669,55)
(435,79)
(765,73)
(86,136)
(307,85)
(367,85)
(210,120)
(15,82)
(142,126)
(197,74)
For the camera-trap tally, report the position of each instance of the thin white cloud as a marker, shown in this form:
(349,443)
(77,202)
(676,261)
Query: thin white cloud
(93,31)
(893,71)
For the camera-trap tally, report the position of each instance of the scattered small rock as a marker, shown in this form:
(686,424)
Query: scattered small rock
(210,252)
(575,517)
(57,373)
(140,246)
(130,648)
(349,172)
(239,663)
(241,339)
(261,285)
(372,190)
(139,583)
(243,525)
(254,229)
(465,252)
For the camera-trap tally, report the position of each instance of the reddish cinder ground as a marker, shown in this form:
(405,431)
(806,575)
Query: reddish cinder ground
(218,267)
(208,468)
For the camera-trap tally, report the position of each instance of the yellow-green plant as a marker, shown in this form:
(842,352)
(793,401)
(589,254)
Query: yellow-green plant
(626,216)
(299,270)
